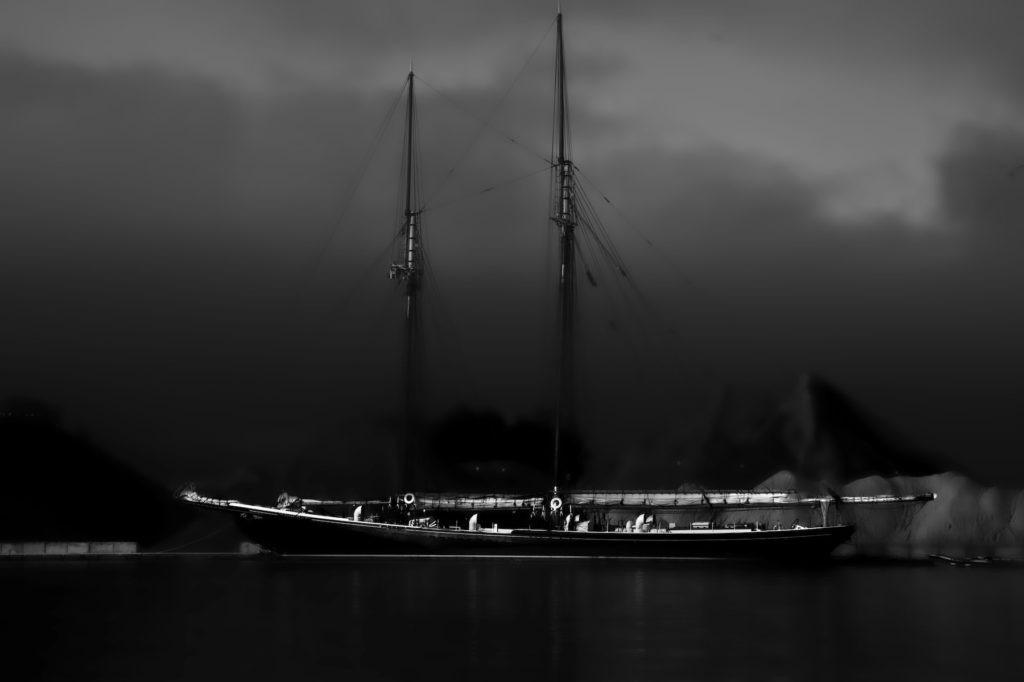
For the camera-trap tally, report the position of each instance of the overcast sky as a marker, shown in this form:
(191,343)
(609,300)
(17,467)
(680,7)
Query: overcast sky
(194,266)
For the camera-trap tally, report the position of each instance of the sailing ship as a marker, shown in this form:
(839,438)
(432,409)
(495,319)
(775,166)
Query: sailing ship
(558,522)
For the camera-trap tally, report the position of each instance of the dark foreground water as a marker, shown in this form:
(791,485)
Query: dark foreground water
(483,619)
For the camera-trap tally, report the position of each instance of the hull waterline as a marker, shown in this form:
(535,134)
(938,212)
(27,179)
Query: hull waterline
(302,533)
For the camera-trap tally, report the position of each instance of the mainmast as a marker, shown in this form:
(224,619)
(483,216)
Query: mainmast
(408,270)
(565,218)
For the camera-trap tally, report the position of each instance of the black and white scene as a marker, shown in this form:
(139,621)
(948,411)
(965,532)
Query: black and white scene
(533,340)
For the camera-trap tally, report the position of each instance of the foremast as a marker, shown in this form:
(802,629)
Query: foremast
(408,269)
(565,217)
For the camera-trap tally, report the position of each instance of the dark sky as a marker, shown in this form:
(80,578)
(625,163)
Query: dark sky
(194,269)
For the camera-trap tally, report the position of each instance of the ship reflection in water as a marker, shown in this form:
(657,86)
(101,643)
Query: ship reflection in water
(528,619)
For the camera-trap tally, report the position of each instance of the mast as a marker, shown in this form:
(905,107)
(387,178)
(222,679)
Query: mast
(565,218)
(408,270)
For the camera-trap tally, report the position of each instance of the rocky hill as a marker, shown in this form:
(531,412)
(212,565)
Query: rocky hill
(819,440)
(60,486)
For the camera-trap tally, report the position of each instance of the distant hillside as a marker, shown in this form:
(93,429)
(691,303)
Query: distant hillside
(819,439)
(818,433)
(966,519)
(60,486)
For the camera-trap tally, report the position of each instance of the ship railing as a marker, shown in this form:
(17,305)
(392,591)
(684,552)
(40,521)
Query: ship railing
(723,499)
(632,500)
(443,501)
(605,499)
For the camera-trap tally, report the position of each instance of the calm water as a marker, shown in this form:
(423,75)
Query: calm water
(455,619)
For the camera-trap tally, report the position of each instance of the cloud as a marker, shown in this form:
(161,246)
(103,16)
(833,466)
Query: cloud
(142,264)
(862,97)
(185,253)
(921,323)
(983,186)
(187,264)
(266,46)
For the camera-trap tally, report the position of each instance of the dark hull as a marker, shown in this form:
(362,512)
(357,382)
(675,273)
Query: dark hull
(308,535)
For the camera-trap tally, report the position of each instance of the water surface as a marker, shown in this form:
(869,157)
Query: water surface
(526,619)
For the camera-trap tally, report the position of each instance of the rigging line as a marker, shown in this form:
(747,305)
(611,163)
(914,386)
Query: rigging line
(615,313)
(399,184)
(620,329)
(686,279)
(655,326)
(652,310)
(486,122)
(555,128)
(549,276)
(484,125)
(593,225)
(596,231)
(601,232)
(604,235)
(721,307)
(581,255)
(360,174)
(309,273)
(614,320)
(361,278)
(615,263)
(490,188)
(607,245)
(617,272)
(368,341)
(596,268)
(581,246)
(608,271)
